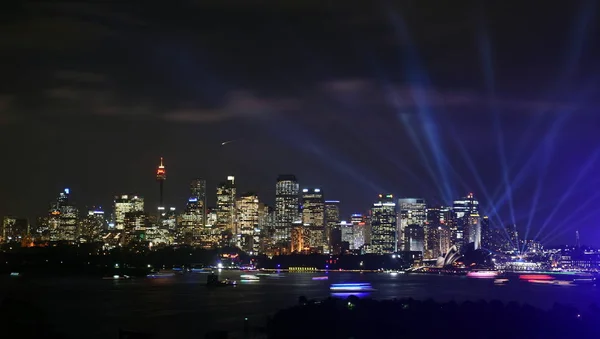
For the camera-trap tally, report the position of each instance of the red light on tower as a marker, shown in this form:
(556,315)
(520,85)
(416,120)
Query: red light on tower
(161,176)
(161,172)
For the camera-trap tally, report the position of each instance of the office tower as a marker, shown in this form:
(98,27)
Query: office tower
(161,176)
(124,204)
(63,219)
(191,222)
(134,227)
(211,217)
(347,235)
(92,226)
(411,211)
(313,217)
(313,207)
(168,218)
(511,236)
(14,229)
(359,230)
(332,221)
(198,192)
(414,238)
(226,211)
(437,232)
(266,219)
(248,235)
(466,211)
(383,225)
(287,206)
(299,238)
(487,235)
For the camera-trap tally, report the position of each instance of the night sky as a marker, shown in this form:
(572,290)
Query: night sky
(417,98)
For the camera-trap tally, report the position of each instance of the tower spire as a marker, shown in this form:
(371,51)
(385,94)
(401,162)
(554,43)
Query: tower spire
(161,176)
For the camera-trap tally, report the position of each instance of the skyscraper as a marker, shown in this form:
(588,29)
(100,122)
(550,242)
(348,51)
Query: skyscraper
(226,210)
(359,230)
(161,176)
(63,219)
(383,225)
(347,235)
(92,225)
(414,238)
(287,206)
(193,218)
(487,236)
(248,222)
(124,204)
(438,232)
(313,216)
(411,211)
(468,223)
(198,192)
(332,222)
(14,229)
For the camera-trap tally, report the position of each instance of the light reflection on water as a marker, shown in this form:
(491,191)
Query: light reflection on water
(181,306)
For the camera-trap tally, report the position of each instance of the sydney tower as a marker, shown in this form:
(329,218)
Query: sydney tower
(161,176)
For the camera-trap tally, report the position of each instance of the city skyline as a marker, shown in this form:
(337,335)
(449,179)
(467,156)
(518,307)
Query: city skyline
(431,100)
(409,211)
(196,185)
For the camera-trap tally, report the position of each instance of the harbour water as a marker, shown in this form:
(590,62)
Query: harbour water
(181,306)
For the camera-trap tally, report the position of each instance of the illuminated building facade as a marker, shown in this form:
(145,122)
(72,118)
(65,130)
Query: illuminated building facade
(332,221)
(438,230)
(198,193)
(167,218)
(411,211)
(347,235)
(466,211)
(414,238)
(124,204)
(383,225)
(248,223)
(63,219)
(92,226)
(300,238)
(359,230)
(487,235)
(226,210)
(14,229)
(287,206)
(191,222)
(193,219)
(135,227)
(313,216)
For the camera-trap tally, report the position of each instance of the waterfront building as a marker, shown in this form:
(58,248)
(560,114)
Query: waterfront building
(332,221)
(287,206)
(248,211)
(466,211)
(123,204)
(411,211)
(383,225)
(226,210)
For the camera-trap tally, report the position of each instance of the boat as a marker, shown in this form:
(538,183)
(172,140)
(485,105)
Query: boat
(213,281)
(160,275)
(351,287)
(117,277)
(249,277)
(482,274)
